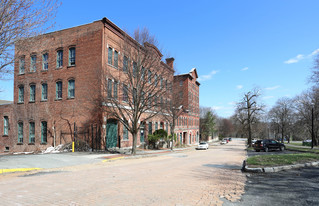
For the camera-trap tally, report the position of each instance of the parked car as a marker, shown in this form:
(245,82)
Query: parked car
(253,141)
(229,139)
(202,145)
(268,144)
(224,141)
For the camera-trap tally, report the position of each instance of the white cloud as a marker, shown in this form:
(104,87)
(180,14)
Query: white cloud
(239,86)
(301,57)
(272,88)
(268,97)
(314,52)
(244,69)
(207,76)
(232,103)
(295,59)
(217,108)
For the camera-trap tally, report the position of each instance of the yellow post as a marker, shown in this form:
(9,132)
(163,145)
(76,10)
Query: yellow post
(72,146)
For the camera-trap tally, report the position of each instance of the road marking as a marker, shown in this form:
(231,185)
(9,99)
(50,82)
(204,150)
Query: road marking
(18,170)
(116,158)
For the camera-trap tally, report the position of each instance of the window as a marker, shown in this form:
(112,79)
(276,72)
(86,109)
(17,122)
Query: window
(180,95)
(116,59)
(31,132)
(150,128)
(58,92)
(125,133)
(33,63)
(115,90)
(20,132)
(134,69)
(44,132)
(125,64)
(125,93)
(59,59)
(181,83)
(156,126)
(162,83)
(166,127)
(21,65)
(166,84)
(45,64)
(149,76)
(72,56)
(5,125)
(21,94)
(155,80)
(44,93)
(109,88)
(109,55)
(71,88)
(32,93)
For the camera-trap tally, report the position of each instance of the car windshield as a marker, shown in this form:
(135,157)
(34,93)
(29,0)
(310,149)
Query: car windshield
(202,143)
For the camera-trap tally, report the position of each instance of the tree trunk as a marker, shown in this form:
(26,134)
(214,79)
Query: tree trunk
(134,143)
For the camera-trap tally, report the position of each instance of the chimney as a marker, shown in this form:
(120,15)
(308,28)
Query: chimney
(170,62)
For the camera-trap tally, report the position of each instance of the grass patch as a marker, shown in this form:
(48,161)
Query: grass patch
(294,143)
(279,160)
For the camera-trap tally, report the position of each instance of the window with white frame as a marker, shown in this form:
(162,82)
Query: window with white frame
(115,85)
(125,64)
(44,132)
(31,132)
(20,132)
(59,58)
(33,63)
(125,93)
(72,56)
(109,56)
(116,59)
(44,92)
(71,88)
(32,93)
(21,94)
(58,90)
(125,133)
(5,125)
(45,64)
(22,65)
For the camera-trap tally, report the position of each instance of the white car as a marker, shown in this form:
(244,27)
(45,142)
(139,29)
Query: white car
(202,145)
(224,141)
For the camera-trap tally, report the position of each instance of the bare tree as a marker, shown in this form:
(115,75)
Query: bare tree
(307,106)
(247,111)
(226,127)
(314,78)
(20,19)
(281,115)
(173,110)
(144,88)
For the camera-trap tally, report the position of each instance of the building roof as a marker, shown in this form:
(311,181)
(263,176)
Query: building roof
(189,74)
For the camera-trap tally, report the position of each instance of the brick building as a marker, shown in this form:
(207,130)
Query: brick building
(187,125)
(57,81)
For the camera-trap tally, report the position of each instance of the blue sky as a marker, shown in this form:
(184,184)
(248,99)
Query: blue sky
(234,44)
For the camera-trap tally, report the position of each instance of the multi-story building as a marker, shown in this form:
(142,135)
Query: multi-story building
(57,82)
(187,124)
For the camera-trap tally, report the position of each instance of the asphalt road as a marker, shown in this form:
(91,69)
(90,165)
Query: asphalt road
(292,187)
(195,177)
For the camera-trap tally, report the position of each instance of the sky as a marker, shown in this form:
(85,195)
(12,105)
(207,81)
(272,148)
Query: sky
(235,45)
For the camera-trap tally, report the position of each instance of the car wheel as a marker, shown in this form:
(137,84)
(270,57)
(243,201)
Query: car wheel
(282,148)
(266,149)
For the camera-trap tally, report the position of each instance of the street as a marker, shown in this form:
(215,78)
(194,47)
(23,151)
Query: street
(205,177)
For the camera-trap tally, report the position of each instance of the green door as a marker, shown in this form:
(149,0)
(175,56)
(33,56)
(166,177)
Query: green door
(111,133)
(142,135)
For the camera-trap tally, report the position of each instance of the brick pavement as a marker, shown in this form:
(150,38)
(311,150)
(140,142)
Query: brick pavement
(180,178)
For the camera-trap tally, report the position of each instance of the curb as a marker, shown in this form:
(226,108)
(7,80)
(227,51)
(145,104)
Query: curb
(245,168)
(18,170)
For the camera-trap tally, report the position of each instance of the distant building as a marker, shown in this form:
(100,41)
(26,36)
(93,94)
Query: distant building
(55,80)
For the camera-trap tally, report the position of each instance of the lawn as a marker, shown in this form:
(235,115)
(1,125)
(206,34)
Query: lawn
(305,149)
(284,159)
